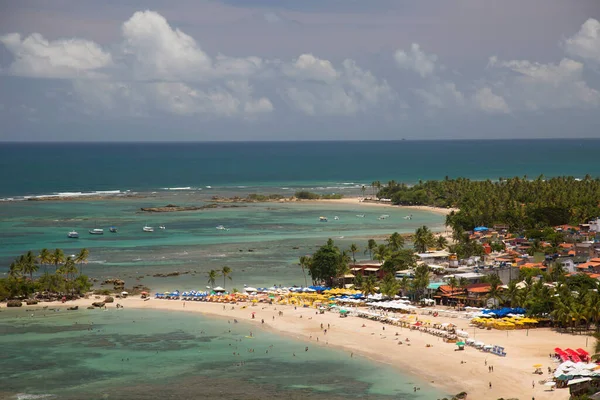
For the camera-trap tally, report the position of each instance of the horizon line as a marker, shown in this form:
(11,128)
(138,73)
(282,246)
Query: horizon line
(285,141)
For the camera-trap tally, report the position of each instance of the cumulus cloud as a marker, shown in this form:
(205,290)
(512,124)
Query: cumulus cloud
(320,89)
(536,86)
(37,57)
(486,100)
(416,60)
(586,42)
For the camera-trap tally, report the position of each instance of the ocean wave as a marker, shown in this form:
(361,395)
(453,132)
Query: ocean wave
(69,194)
(25,396)
(97,262)
(181,188)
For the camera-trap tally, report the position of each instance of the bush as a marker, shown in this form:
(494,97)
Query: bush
(14,303)
(109,299)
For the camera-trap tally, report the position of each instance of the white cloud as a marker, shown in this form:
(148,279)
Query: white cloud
(586,42)
(37,57)
(318,88)
(309,67)
(484,99)
(441,95)
(536,86)
(416,60)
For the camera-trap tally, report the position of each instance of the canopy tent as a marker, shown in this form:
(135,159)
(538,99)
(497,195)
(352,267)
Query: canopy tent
(481,229)
(218,289)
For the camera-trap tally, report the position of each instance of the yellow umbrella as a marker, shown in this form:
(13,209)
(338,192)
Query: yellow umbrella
(537,365)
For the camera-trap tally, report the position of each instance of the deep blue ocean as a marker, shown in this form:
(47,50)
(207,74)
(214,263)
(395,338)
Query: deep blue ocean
(43,168)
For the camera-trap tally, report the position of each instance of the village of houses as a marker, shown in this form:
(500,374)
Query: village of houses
(579,254)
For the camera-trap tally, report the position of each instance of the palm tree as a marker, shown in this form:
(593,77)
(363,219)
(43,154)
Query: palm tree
(369,285)
(371,245)
(212,277)
(45,258)
(441,242)
(404,285)
(381,253)
(353,250)
(421,279)
(395,241)
(81,258)
(423,239)
(69,269)
(305,263)
(15,269)
(28,264)
(58,257)
(453,283)
(225,271)
(495,283)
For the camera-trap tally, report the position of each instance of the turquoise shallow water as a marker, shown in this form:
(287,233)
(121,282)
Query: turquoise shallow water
(262,245)
(142,354)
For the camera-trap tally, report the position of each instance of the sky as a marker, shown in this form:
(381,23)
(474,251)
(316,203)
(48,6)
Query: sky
(244,70)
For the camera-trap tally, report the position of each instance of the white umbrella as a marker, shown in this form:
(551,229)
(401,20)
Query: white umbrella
(219,289)
(550,383)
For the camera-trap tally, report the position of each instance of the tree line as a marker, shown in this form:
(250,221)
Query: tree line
(520,203)
(67,277)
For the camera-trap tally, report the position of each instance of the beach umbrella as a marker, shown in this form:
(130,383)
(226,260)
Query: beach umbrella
(537,365)
(550,384)
(460,343)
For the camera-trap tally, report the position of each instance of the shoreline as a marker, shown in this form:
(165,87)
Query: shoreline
(360,202)
(440,365)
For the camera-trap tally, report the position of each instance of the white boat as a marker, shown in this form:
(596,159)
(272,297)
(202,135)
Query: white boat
(383,216)
(96,231)
(360,215)
(222,228)
(408,217)
(322,219)
(336,218)
(162,227)
(148,229)
(73,235)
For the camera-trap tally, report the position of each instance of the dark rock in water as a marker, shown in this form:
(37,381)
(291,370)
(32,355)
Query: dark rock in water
(98,304)
(74,308)
(31,302)
(91,307)
(109,299)
(241,250)
(295,248)
(14,303)
(250,250)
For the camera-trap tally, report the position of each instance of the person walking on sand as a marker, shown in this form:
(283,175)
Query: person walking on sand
(490,385)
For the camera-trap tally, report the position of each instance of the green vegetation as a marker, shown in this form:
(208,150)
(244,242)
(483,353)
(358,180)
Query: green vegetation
(329,264)
(264,197)
(304,195)
(66,279)
(517,202)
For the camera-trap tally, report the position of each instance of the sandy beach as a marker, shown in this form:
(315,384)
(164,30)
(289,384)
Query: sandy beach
(451,371)
(359,202)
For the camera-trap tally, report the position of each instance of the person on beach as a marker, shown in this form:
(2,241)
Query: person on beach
(490,385)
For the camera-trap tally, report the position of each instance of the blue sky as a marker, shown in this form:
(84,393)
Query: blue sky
(294,70)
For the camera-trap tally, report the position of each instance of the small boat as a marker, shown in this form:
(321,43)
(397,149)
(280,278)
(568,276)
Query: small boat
(336,218)
(73,235)
(222,228)
(148,229)
(383,216)
(113,229)
(408,217)
(322,219)
(162,227)
(360,215)
(96,231)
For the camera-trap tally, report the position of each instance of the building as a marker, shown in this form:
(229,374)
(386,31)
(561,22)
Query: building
(368,268)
